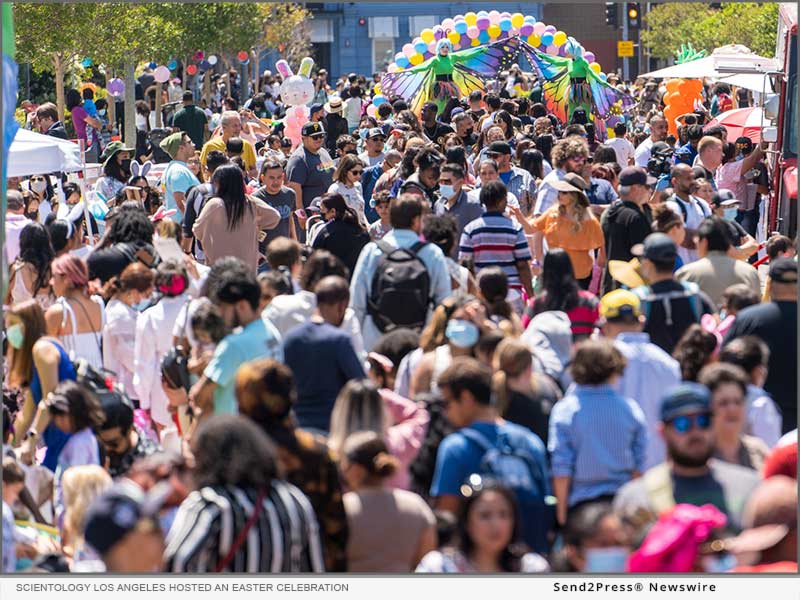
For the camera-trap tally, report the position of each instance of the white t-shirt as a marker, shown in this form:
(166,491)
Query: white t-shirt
(642,154)
(623,149)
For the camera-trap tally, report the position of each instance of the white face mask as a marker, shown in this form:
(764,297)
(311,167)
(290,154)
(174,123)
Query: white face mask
(39,186)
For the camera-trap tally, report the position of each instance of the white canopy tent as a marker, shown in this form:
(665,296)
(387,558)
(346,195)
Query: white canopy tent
(33,153)
(719,65)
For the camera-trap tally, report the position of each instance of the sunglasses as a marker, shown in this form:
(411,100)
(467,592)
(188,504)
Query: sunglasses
(356,171)
(319,136)
(684,423)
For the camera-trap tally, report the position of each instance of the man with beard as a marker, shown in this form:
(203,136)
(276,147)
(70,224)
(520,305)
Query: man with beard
(658,133)
(693,209)
(690,475)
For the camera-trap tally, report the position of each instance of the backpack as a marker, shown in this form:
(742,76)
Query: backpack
(685,212)
(518,469)
(690,290)
(725,103)
(400,292)
(100,382)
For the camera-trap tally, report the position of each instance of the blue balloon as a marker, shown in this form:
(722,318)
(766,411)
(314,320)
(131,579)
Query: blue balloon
(86,62)
(505,24)
(547,39)
(172,65)
(403,63)
(483,37)
(421,47)
(153,65)
(461,27)
(603,76)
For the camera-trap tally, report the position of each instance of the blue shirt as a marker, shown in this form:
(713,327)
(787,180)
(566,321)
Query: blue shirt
(52,436)
(177,178)
(522,185)
(598,439)
(685,154)
(601,192)
(257,339)
(650,372)
(369,178)
(360,285)
(323,360)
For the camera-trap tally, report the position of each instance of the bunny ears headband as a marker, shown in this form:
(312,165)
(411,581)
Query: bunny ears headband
(305,68)
(139,170)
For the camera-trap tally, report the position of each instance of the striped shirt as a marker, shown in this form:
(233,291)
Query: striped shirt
(495,240)
(284,538)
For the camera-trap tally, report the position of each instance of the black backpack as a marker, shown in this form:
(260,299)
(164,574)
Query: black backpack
(400,293)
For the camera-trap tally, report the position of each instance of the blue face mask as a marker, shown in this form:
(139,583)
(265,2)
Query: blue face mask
(730,213)
(461,333)
(16,336)
(446,191)
(102,112)
(363,133)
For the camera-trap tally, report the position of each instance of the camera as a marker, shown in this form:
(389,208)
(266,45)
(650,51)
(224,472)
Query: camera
(660,162)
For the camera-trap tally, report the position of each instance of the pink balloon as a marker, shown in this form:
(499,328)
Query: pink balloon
(448,23)
(161,74)
(371,110)
(505,15)
(589,56)
(432,47)
(408,50)
(473,32)
(538,28)
(494,17)
(552,49)
(550,28)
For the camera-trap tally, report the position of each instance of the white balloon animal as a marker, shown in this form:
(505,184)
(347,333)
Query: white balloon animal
(296,92)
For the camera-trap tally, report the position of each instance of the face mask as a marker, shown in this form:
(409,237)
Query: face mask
(16,336)
(39,186)
(462,334)
(363,133)
(33,216)
(102,112)
(447,191)
(606,560)
(126,164)
(730,213)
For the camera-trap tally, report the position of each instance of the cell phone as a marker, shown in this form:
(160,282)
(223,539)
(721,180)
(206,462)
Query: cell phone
(300,213)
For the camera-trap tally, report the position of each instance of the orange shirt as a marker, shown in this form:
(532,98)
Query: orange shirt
(559,231)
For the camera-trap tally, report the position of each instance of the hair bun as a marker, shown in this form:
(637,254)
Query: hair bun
(384,464)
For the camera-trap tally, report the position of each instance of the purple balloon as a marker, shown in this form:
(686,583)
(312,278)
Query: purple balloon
(483,23)
(551,29)
(438,32)
(589,56)
(526,29)
(562,50)
(204,65)
(116,87)
(505,15)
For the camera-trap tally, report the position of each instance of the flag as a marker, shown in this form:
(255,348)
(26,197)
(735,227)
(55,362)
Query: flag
(10,124)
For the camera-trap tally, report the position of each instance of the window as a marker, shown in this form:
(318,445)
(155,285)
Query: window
(321,30)
(382,53)
(383,27)
(420,22)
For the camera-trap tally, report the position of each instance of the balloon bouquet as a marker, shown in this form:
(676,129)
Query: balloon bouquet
(296,92)
(681,97)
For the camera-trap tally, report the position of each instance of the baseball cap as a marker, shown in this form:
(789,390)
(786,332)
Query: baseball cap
(457,110)
(375,132)
(170,143)
(315,205)
(619,305)
(499,148)
(723,198)
(685,399)
(312,128)
(635,176)
(783,270)
(661,148)
(658,247)
(115,513)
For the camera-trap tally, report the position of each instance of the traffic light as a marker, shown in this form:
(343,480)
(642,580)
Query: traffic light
(632,14)
(611,14)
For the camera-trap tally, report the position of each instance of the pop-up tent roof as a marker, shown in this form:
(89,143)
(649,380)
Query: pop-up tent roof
(33,153)
(722,62)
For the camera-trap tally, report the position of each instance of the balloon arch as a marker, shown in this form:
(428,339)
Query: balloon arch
(474,29)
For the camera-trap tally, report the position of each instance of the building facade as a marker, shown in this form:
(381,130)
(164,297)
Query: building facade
(363,37)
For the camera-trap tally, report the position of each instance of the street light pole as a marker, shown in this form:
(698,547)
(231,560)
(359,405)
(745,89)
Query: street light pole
(626,67)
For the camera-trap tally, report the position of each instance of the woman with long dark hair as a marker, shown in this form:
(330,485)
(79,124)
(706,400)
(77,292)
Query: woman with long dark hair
(487,535)
(231,221)
(532,160)
(29,276)
(116,171)
(343,235)
(562,293)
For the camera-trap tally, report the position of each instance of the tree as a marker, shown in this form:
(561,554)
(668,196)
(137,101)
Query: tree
(286,27)
(671,24)
(53,36)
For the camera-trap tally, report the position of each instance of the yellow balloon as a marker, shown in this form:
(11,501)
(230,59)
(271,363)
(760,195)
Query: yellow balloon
(417,58)
(494,31)
(453,36)
(377,88)
(471,19)
(475,42)
(595,67)
(427,35)
(534,40)
(517,20)
(559,38)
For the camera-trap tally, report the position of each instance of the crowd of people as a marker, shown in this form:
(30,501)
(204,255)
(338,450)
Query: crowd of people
(477,341)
